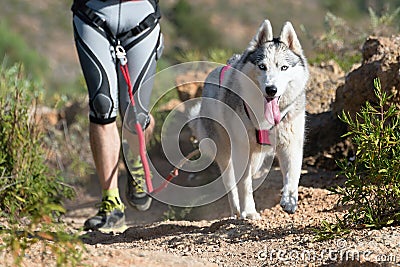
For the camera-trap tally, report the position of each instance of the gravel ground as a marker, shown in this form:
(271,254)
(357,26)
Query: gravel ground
(278,239)
(209,238)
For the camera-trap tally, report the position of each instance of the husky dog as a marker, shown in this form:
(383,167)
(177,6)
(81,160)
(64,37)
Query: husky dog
(265,88)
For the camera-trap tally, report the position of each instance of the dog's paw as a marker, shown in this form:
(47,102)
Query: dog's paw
(289,201)
(250,215)
(235,215)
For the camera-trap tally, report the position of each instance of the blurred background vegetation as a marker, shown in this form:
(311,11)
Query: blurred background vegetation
(39,33)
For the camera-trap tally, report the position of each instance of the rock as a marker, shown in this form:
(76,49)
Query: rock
(324,143)
(321,90)
(170,105)
(45,116)
(323,127)
(190,84)
(73,109)
(381,59)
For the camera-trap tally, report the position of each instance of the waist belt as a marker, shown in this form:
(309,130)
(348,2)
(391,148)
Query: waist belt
(89,16)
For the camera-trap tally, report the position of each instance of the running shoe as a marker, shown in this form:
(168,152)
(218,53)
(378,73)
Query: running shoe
(109,218)
(136,194)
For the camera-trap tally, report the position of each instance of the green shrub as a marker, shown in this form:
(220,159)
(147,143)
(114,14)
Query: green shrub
(385,23)
(372,187)
(339,42)
(176,213)
(15,49)
(30,195)
(213,55)
(346,62)
(160,116)
(194,26)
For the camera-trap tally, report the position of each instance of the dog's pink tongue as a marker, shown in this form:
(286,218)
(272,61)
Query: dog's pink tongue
(271,111)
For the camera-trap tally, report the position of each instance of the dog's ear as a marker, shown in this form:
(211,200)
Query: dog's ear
(263,35)
(289,37)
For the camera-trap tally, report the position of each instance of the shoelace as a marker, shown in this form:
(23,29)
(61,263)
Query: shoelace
(107,205)
(138,174)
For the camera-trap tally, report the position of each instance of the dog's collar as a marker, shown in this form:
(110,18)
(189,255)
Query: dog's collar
(262,135)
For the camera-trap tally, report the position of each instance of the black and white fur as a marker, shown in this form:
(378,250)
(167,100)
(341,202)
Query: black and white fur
(269,68)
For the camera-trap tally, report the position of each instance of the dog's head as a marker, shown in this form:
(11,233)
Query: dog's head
(278,61)
(276,65)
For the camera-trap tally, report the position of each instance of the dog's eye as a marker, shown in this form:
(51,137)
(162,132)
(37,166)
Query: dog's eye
(262,66)
(284,67)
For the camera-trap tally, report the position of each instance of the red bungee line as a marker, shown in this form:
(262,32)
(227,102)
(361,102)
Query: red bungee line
(142,143)
(139,130)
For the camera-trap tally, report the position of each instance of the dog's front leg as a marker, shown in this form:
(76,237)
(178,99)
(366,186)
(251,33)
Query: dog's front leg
(247,204)
(290,155)
(228,177)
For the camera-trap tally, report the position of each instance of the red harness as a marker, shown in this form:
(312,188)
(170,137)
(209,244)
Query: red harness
(262,136)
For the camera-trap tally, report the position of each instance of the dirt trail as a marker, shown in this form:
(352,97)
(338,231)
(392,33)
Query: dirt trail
(207,237)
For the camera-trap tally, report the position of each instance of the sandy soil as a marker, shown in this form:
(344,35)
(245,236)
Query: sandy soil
(207,237)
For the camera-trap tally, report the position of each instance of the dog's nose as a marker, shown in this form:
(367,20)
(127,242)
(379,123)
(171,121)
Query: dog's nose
(271,90)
